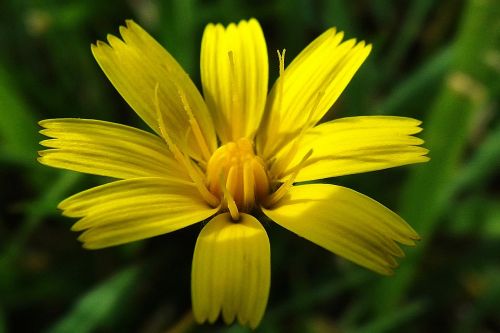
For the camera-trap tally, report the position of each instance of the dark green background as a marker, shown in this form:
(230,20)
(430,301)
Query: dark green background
(438,61)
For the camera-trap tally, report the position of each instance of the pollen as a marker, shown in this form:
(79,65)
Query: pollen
(235,169)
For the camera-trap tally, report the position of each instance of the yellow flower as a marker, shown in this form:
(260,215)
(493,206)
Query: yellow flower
(232,155)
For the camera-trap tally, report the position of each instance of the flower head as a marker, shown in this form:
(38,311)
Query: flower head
(232,155)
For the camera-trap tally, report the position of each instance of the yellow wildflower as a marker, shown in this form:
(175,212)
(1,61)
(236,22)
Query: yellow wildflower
(232,155)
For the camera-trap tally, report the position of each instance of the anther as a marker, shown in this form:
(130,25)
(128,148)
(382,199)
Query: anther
(182,158)
(200,139)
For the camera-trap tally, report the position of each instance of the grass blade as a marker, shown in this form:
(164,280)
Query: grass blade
(98,305)
(446,133)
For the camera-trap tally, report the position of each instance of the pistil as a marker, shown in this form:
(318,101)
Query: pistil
(236,173)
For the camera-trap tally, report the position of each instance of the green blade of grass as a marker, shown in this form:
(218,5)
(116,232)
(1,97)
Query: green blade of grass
(46,203)
(34,216)
(337,14)
(412,25)
(178,34)
(418,85)
(99,305)
(482,165)
(18,129)
(312,297)
(394,319)
(446,132)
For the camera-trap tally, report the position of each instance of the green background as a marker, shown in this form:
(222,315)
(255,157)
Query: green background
(438,61)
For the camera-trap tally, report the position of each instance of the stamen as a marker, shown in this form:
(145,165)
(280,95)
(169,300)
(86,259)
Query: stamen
(233,181)
(161,122)
(281,59)
(183,158)
(201,162)
(248,185)
(244,173)
(231,204)
(281,164)
(285,187)
(186,135)
(261,178)
(275,116)
(281,82)
(200,184)
(236,120)
(200,139)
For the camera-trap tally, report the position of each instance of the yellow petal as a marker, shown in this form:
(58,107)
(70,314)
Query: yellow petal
(234,73)
(310,86)
(128,210)
(137,65)
(358,144)
(107,149)
(345,222)
(231,271)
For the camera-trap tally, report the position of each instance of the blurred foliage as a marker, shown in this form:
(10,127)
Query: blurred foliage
(434,60)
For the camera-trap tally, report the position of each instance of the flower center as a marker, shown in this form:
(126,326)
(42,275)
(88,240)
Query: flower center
(235,171)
